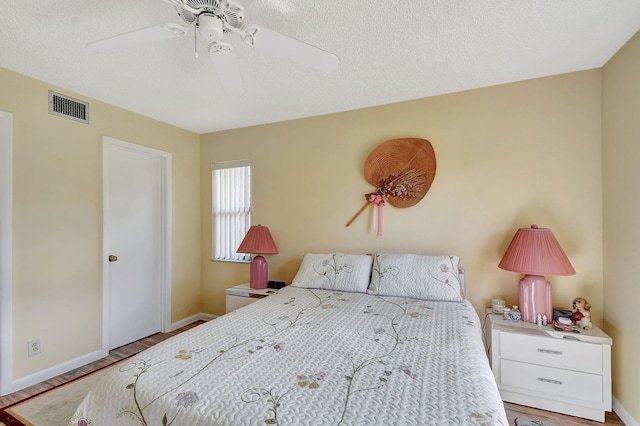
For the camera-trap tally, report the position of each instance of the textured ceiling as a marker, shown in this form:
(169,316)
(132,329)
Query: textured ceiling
(389,50)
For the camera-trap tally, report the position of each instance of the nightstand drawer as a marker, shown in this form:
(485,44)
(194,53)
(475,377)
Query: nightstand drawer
(552,352)
(552,381)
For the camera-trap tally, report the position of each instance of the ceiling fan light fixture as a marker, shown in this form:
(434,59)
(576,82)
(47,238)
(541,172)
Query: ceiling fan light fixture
(210,27)
(216,47)
(249,35)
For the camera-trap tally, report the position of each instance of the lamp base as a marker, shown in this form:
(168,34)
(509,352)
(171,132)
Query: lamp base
(535,298)
(258,276)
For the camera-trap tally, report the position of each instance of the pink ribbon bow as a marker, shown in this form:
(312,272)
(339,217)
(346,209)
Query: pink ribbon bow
(379,202)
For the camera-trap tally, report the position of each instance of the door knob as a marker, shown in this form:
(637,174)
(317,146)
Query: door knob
(112,258)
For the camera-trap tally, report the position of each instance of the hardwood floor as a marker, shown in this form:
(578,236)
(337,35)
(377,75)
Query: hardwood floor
(513,410)
(114,356)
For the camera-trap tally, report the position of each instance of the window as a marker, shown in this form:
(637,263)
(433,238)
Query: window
(231,207)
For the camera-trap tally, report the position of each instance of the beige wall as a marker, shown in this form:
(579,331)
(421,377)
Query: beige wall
(508,156)
(57,227)
(621,205)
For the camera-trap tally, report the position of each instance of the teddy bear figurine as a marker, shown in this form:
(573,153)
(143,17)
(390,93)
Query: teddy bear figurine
(581,313)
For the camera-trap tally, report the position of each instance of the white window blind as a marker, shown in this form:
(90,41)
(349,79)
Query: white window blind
(231,199)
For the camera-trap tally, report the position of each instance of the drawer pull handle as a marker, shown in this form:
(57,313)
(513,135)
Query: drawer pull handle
(553,382)
(549,351)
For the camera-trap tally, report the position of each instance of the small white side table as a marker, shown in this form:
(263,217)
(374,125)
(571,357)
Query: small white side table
(541,367)
(241,295)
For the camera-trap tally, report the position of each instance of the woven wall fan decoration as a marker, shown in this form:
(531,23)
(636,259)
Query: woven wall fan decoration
(402,171)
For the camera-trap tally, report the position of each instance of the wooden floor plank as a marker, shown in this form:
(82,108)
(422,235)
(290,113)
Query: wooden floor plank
(514,411)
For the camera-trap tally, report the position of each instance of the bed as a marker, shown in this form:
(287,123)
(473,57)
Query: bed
(354,340)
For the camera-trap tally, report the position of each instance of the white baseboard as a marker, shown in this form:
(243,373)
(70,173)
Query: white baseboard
(56,370)
(193,318)
(67,366)
(623,414)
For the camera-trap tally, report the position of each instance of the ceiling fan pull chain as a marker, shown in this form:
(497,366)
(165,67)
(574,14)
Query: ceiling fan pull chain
(195,42)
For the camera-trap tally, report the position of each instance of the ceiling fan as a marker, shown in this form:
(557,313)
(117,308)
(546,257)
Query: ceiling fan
(213,20)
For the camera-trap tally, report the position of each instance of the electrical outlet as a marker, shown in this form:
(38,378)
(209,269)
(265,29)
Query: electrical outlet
(34,347)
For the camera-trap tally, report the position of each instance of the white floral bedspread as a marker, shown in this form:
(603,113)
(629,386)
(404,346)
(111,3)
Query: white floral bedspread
(310,357)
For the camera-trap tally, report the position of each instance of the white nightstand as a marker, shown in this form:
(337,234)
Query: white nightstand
(541,367)
(241,295)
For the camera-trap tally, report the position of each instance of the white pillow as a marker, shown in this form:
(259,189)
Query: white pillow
(416,276)
(334,271)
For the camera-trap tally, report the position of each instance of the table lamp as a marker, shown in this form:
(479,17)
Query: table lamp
(535,252)
(258,240)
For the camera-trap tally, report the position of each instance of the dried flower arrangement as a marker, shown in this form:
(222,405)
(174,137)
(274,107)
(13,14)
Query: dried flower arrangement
(406,184)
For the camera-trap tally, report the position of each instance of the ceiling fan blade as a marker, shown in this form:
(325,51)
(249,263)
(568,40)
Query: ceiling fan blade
(226,65)
(242,3)
(133,38)
(290,48)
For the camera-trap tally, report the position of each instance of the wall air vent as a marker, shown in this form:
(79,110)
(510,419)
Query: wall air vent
(64,106)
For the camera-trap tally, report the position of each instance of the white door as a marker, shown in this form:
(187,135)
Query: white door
(135,240)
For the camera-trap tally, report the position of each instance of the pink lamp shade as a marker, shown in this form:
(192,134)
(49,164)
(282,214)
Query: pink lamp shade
(259,241)
(535,252)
